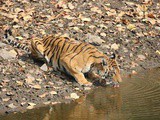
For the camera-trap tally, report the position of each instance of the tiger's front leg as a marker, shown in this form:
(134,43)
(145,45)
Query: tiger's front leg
(93,75)
(79,77)
(74,71)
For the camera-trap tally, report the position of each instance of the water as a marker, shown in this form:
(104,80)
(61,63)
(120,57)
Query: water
(138,98)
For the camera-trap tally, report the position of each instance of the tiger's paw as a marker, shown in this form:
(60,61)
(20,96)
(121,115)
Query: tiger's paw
(86,84)
(115,85)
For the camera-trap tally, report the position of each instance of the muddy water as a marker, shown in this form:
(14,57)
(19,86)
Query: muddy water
(137,99)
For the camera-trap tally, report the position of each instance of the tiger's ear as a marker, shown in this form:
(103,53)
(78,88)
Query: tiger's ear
(104,62)
(113,56)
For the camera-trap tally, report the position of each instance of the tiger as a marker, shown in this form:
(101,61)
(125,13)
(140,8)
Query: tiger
(72,57)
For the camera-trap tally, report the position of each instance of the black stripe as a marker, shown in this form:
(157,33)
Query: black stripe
(56,48)
(78,52)
(62,47)
(45,40)
(49,42)
(89,48)
(50,49)
(77,47)
(61,53)
(93,52)
(64,70)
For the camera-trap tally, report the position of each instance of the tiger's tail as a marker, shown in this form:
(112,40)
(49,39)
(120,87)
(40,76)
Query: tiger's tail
(9,39)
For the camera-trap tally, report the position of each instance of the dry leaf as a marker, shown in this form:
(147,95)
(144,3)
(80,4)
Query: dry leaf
(36,87)
(70,6)
(69,17)
(50,18)
(125,21)
(27,18)
(43,95)
(17,10)
(131,27)
(112,12)
(158,52)
(150,15)
(96,9)
(19,83)
(152,21)
(85,19)
(120,28)
(115,46)
(29,79)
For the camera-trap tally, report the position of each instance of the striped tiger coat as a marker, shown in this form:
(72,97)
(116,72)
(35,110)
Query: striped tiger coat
(73,57)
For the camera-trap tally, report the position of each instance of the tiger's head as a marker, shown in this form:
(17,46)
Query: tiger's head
(108,67)
(113,69)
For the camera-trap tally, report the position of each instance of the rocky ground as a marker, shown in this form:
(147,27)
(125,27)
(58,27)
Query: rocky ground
(130,29)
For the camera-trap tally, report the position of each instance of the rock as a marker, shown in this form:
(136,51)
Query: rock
(47,103)
(30,107)
(44,67)
(76,88)
(31,104)
(53,93)
(12,106)
(87,88)
(23,103)
(60,25)
(74,95)
(103,34)
(5,99)
(141,57)
(76,28)
(134,72)
(157,28)
(93,39)
(2,44)
(105,46)
(8,54)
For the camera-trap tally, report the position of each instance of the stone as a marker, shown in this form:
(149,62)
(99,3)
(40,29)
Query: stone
(74,95)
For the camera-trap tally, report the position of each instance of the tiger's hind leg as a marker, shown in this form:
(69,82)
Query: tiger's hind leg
(74,71)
